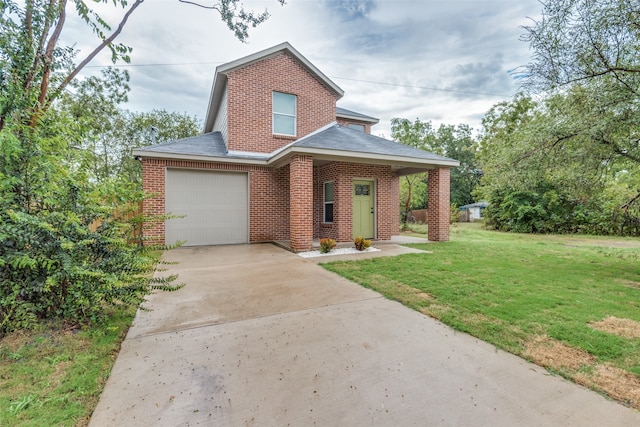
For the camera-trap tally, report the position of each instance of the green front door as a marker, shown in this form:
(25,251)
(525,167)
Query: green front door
(363,209)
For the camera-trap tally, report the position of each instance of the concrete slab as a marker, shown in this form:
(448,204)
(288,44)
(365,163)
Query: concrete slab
(348,357)
(235,282)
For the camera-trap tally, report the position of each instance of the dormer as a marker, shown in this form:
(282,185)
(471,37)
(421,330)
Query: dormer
(265,101)
(355,121)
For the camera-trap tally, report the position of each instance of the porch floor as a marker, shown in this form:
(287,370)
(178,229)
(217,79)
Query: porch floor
(395,240)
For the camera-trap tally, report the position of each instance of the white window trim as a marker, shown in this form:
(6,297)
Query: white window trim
(294,115)
(325,203)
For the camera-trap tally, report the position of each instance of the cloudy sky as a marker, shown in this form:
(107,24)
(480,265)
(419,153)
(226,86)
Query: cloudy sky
(447,61)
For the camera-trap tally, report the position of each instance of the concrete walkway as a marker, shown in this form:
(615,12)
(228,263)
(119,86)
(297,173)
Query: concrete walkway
(262,337)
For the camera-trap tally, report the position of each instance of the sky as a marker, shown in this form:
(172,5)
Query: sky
(444,61)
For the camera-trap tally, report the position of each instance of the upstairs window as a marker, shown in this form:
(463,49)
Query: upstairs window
(328,202)
(354,126)
(284,114)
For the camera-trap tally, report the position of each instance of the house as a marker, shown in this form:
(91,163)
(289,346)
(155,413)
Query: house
(278,161)
(472,212)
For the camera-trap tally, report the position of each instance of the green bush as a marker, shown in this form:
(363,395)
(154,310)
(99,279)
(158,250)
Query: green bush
(53,266)
(64,255)
(549,209)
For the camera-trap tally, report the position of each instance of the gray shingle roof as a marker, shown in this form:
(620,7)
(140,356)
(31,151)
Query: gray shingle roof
(342,138)
(209,144)
(343,112)
(333,138)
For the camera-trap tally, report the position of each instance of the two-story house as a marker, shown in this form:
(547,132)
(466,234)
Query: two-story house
(278,161)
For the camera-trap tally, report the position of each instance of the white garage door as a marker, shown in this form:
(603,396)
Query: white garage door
(215,206)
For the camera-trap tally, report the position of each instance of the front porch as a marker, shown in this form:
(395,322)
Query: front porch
(318,210)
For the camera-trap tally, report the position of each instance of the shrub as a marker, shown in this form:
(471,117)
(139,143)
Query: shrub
(361,243)
(455,214)
(326,245)
(56,265)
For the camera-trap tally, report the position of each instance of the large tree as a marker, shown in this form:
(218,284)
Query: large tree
(587,53)
(67,245)
(538,181)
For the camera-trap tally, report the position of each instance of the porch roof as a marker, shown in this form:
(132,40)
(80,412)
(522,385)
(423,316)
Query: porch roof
(329,143)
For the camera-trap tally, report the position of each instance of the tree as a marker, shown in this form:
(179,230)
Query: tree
(538,182)
(36,70)
(586,52)
(66,247)
(459,144)
(413,188)
(451,141)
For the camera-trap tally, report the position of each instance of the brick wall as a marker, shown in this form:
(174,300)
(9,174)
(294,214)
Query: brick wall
(343,174)
(438,212)
(301,196)
(345,122)
(153,173)
(271,217)
(250,103)
(268,197)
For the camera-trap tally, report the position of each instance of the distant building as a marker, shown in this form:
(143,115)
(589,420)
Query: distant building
(472,212)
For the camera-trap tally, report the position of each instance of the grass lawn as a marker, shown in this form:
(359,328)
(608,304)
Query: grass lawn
(568,303)
(54,377)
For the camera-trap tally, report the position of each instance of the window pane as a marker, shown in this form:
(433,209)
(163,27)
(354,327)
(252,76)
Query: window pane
(285,125)
(359,128)
(328,212)
(283,103)
(328,191)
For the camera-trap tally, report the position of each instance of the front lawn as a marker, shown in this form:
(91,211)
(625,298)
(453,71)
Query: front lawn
(568,303)
(54,376)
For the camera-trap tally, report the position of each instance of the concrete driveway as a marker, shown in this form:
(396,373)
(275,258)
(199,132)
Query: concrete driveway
(260,336)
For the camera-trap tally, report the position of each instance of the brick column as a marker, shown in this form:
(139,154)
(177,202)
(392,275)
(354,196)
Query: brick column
(301,203)
(439,208)
(153,173)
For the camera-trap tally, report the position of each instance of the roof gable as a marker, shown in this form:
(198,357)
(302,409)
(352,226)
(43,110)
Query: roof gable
(220,79)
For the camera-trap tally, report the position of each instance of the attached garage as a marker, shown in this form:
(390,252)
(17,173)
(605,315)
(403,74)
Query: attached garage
(214,205)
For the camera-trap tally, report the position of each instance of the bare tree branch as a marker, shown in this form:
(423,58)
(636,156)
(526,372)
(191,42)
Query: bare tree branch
(213,6)
(92,55)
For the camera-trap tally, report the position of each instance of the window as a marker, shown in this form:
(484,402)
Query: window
(359,128)
(362,190)
(328,202)
(284,114)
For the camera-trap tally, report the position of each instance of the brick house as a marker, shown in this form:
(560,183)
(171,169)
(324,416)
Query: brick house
(278,161)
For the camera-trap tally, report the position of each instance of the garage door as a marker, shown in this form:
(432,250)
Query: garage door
(215,206)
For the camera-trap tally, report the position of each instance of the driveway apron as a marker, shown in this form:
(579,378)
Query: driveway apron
(260,336)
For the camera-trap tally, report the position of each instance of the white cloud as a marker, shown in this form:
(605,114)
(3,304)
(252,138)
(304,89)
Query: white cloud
(442,55)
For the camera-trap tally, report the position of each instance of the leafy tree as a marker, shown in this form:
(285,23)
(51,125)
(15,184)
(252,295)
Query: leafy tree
(67,249)
(536,184)
(452,141)
(413,188)
(459,144)
(112,133)
(587,52)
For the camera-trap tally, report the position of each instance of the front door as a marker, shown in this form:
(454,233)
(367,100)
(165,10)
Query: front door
(363,209)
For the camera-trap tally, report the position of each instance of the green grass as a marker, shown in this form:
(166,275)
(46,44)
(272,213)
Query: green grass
(512,289)
(54,377)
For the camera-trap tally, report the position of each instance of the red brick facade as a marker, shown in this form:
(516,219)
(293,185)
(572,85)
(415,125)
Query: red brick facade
(387,199)
(250,90)
(439,207)
(301,214)
(268,195)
